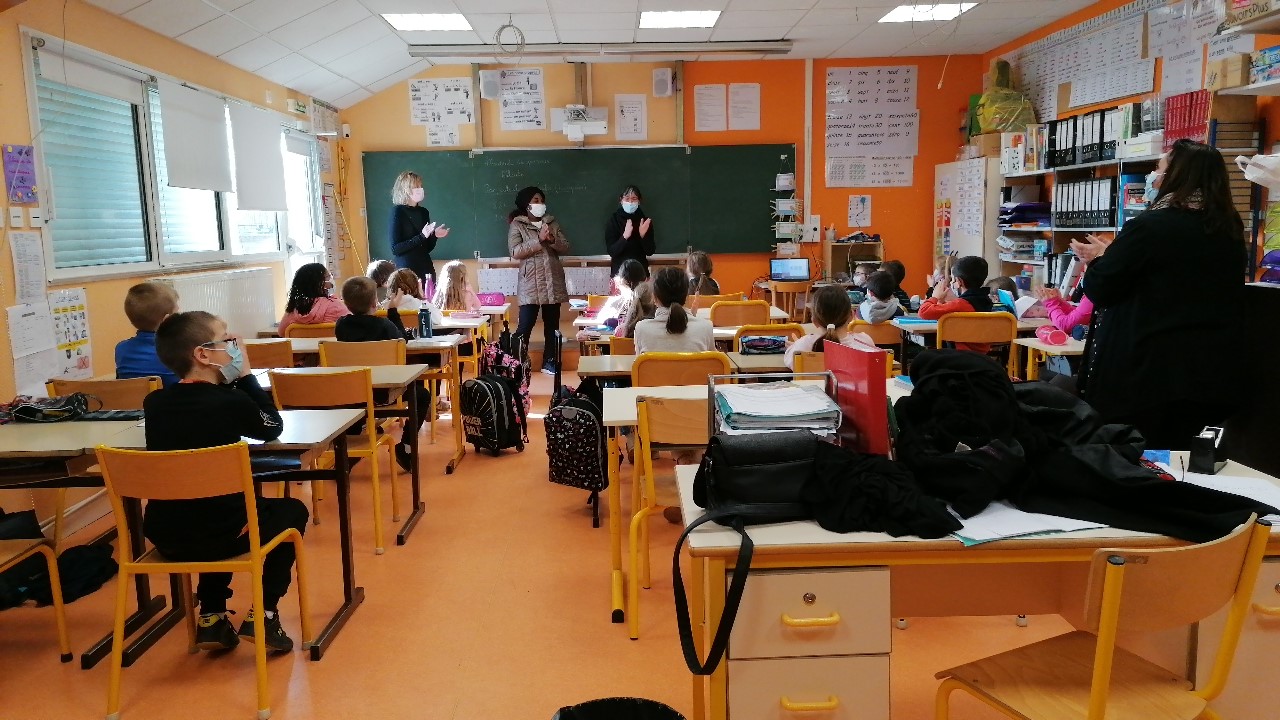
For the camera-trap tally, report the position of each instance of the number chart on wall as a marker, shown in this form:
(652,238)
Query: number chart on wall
(873,126)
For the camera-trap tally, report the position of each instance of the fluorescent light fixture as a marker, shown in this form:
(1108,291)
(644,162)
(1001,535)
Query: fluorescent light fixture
(679,19)
(749,47)
(427,21)
(934,12)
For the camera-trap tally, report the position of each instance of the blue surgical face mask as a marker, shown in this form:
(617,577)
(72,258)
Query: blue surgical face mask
(1149,194)
(630,207)
(233,370)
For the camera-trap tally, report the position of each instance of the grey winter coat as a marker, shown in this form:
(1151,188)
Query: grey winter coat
(541,275)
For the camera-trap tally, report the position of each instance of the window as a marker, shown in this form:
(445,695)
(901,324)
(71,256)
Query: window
(91,150)
(99,131)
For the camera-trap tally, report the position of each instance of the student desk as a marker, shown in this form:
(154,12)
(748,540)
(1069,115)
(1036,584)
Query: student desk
(776,314)
(905,577)
(496,313)
(1037,349)
(72,444)
(398,381)
(586,321)
(758,363)
(605,366)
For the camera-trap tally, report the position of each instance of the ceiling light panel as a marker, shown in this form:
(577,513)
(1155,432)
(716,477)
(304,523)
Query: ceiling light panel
(679,19)
(933,12)
(427,21)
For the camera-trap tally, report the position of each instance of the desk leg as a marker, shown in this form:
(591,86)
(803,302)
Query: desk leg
(714,587)
(902,356)
(352,595)
(1033,367)
(615,526)
(455,391)
(698,594)
(415,473)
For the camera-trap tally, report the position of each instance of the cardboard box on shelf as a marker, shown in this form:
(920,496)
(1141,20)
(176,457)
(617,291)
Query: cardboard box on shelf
(1264,73)
(1228,72)
(986,144)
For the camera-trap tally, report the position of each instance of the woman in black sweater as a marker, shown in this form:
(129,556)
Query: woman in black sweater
(1168,291)
(628,235)
(413,235)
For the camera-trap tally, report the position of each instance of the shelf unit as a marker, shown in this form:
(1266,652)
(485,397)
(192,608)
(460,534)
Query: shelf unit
(839,256)
(1270,88)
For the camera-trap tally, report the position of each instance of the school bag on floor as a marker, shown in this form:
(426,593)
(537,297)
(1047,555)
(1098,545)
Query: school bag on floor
(576,449)
(509,358)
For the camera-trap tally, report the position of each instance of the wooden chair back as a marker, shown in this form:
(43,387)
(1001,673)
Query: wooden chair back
(596,301)
(785,295)
(809,362)
(977,327)
(791,330)
(310,330)
(114,394)
(622,345)
(344,354)
(705,301)
(668,421)
(269,354)
(177,474)
(880,333)
(731,313)
(318,391)
(667,368)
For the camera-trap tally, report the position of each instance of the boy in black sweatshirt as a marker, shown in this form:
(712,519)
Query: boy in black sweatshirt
(216,402)
(360,295)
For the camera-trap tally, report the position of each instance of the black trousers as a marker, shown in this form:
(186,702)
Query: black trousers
(550,323)
(275,515)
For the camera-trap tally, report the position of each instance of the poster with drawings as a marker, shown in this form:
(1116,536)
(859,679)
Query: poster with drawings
(442,135)
(441,101)
(522,101)
(70,310)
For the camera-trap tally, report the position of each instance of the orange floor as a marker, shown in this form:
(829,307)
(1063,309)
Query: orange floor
(497,608)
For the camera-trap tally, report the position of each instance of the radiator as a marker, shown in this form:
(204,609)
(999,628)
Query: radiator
(244,298)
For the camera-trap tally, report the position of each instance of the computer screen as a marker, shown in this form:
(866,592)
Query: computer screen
(789,269)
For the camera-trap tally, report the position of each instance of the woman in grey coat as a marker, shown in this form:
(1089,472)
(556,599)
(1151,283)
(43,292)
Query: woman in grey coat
(535,239)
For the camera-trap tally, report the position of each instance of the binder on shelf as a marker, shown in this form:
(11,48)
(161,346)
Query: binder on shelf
(1051,142)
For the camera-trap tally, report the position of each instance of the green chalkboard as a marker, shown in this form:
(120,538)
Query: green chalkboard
(713,198)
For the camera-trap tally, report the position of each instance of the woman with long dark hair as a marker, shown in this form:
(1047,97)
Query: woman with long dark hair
(536,240)
(310,301)
(1167,293)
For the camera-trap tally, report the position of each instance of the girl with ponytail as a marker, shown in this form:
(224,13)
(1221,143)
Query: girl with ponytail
(832,313)
(672,328)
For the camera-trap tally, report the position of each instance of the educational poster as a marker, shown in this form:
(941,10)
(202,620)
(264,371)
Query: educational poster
(1204,18)
(959,201)
(631,117)
(744,106)
(889,87)
(1134,78)
(870,172)
(1183,72)
(1225,45)
(70,310)
(441,101)
(324,151)
(1166,26)
(30,329)
(873,134)
(332,249)
(522,99)
(28,266)
(442,135)
(586,280)
(20,173)
(859,211)
(709,108)
(499,280)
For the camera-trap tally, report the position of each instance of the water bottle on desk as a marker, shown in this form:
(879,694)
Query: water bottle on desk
(424,323)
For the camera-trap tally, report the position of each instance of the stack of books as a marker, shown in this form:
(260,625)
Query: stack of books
(776,406)
(1186,116)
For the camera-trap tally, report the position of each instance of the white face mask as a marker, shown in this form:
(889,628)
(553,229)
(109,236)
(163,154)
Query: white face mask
(537,210)
(417,194)
(630,207)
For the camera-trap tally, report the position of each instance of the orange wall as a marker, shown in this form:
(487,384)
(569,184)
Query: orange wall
(902,216)
(95,28)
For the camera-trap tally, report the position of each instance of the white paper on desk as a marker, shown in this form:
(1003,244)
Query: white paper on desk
(709,108)
(1001,520)
(744,106)
(30,329)
(28,266)
(1264,491)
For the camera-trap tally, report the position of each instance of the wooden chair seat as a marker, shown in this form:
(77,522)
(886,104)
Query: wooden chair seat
(10,549)
(1050,680)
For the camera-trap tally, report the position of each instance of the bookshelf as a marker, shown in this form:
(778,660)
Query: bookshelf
(839,256)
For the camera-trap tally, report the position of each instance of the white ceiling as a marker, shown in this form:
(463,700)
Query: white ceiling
(342,52)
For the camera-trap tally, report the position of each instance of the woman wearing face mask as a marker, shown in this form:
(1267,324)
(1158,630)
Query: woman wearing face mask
(1153,358)
(628,235)
(413,235)
(310,301)
(535,239)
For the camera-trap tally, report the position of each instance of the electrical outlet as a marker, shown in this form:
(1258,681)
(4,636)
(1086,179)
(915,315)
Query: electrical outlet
(37,216)
(17,217)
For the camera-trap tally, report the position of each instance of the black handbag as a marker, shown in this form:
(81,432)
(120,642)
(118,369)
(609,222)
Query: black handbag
(743,480)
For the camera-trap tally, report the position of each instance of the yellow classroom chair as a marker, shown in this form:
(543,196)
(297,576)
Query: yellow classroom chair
(785,295)
(697,302)
(270,354)
(622,345)
(13,552)
(731,313)
(476,344)
(817,362)
(992,328)
(202,473)
(880,333)
(126,394)
(675,368)
(595,302)
(1082,675)
(310,330)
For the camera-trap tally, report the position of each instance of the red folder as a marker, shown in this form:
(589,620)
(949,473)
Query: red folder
(860,393)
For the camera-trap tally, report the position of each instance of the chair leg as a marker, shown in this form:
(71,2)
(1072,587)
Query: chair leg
(638,520)
(645,581)
(188,603)
(304,605)
(378,547)
(395,471)
(942,701)
(117,646)
(260,645)
(59,609)
(317,494)
(59,521)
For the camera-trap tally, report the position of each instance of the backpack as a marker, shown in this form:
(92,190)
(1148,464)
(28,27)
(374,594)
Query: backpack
(492,416)
(509,358)
(83,569)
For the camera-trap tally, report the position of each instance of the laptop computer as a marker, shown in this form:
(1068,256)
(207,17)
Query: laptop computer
(788,269)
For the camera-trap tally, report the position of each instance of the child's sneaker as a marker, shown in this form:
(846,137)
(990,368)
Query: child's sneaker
(214,632)
(403,457)
(276,639)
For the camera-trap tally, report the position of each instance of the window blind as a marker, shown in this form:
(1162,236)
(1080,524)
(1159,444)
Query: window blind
(195,138)
(188,218)
(255,136)
(89,144)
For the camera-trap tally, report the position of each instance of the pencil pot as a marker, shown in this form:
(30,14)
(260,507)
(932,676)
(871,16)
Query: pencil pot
(1050,335)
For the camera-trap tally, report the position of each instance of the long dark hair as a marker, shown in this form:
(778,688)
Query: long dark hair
(831,311)
(308,284)
(632,272)
(523,198)
(631,189)
(1198,169)
(671,288)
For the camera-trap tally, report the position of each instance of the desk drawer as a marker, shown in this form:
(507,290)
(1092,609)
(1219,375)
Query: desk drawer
(808,613)
(858,686)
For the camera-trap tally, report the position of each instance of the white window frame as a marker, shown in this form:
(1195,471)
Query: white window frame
(161,260)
